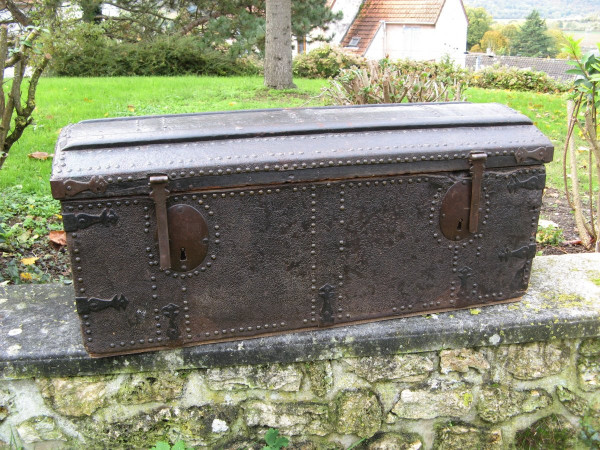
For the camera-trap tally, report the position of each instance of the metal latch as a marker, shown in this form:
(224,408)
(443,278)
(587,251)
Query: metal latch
(477,161)
(159,194)
(182,232)
(459,213)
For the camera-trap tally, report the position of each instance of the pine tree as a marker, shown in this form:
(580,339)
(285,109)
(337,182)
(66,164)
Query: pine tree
(533,38)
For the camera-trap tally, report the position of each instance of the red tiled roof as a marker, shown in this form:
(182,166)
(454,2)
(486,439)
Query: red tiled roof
(367,21)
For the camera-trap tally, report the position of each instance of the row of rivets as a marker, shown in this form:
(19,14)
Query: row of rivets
(313,253)
(243,329)
(341,248)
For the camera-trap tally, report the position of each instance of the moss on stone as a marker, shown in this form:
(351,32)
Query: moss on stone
(320,377)
(574,403)
(358,412)
(150,387)
(551,432)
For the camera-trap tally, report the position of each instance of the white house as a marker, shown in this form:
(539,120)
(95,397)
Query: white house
(414,29)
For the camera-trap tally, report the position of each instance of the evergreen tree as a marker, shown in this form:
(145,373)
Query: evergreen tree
(533,38)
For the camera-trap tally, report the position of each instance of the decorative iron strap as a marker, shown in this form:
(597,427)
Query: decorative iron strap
(74,222)
(87,305)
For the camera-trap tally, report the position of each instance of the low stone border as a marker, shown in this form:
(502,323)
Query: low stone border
(524,374)
(40,335)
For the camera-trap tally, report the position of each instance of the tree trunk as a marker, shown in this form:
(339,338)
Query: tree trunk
(278,45)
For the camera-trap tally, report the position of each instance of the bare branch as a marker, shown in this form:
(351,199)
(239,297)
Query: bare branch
(16,12)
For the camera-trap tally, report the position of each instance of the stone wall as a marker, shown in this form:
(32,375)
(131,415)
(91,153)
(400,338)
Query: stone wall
(460,398)
(532,381)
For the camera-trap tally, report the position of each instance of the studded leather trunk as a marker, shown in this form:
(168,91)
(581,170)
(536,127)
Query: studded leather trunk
(196,228)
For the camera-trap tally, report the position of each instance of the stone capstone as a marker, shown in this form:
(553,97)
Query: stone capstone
(320,375)
(407,368)
(466,437)
(445,400)
(290,419)
(460,360)
(395,441)
(497,404)
(153,387)
(534,360)
(276,377)
(574,403)
(588,371)
(40,429)
(358,412)
(77,396)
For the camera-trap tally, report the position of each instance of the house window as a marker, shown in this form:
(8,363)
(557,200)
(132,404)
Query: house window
(354,41)
(301,44)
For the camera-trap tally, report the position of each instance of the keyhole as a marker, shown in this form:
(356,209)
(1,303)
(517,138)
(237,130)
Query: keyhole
(458,228)
(182,255)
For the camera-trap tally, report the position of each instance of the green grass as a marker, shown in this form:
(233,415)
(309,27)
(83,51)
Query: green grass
(68,100)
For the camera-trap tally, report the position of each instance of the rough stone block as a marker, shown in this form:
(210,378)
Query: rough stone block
(320,375)
(574,403)
(142,430)
(452,400)
(407,368)
(358,412)
(273,377)
(153,387)
(466,437)
(497,404)
(590,347)
(588,371)
(77,396)
(290,419)
(5,404)
(395,441)
(533,361)
(460,360)
(40,429)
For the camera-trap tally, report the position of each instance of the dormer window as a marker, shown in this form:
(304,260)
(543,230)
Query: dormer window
(354,41)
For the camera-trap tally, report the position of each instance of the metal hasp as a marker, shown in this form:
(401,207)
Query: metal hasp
(459,212)
(477,161)
(159,195)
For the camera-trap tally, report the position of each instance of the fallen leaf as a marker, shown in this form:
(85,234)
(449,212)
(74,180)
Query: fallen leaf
(87,100)
(106,115)
(60,215)
(40,155)
(26,276)
(29,261)
(131,108)
(58,238)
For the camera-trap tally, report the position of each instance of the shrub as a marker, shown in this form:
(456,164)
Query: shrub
(86,51)
(325,62)
(515,79)
(397,82)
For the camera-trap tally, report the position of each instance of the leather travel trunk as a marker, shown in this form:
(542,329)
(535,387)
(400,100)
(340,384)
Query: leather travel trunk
(195,228)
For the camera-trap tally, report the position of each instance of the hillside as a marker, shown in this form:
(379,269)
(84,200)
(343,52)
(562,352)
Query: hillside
(549,9)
